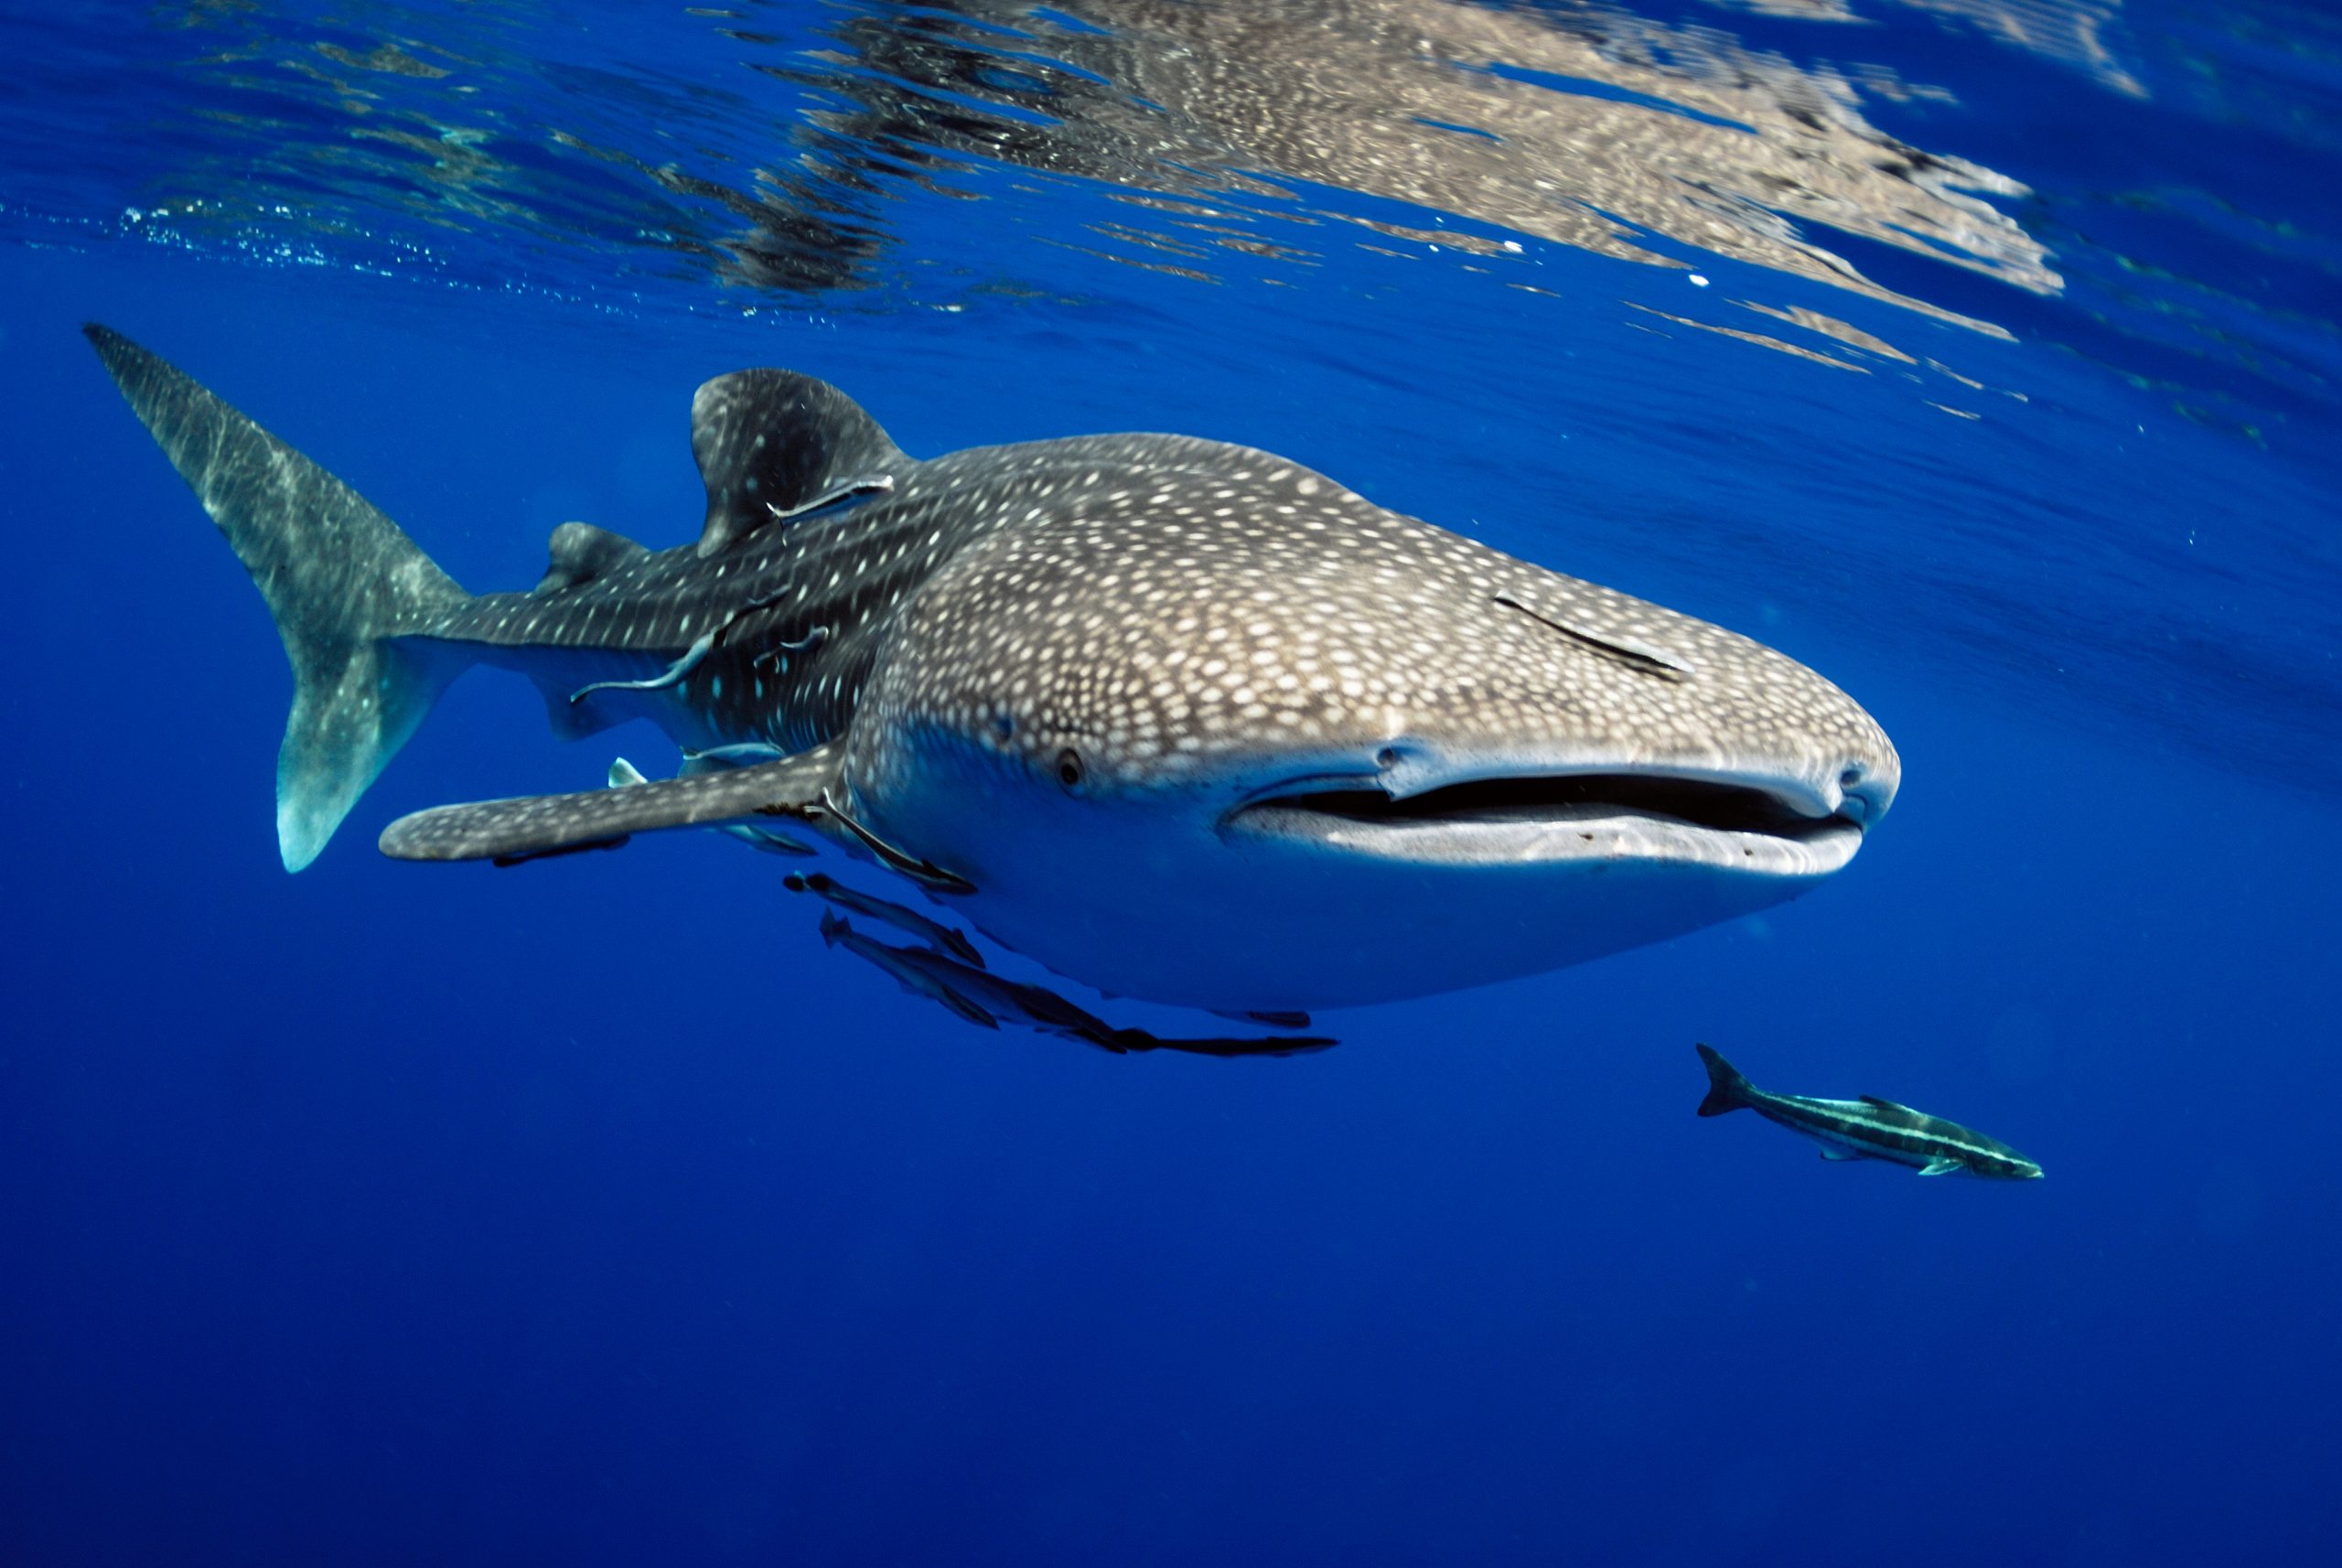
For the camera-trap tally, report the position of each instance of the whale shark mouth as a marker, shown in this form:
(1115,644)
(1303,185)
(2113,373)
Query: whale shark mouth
(1520,819)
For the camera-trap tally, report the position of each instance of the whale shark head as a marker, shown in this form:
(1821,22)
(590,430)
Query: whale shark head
(1207,727)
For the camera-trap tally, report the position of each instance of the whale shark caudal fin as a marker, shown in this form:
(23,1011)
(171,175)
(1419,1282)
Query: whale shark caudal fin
(341,579)
(1728,1091)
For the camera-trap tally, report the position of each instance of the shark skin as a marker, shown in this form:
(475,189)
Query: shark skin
(1180,720)
(1867,1129)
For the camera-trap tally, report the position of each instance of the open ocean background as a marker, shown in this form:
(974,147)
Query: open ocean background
(1982,354)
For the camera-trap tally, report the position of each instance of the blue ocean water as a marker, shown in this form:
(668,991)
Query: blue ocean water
(1981,356)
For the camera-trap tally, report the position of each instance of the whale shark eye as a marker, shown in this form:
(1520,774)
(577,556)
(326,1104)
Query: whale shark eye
(1069,768)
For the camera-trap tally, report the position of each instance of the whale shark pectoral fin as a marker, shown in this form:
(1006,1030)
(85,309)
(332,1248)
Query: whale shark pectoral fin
(538,825)
(1940,1167)
(1831,1152)
(624,774)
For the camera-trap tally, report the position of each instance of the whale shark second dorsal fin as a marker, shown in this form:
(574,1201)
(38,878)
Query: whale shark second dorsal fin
(579,552)
(773,443)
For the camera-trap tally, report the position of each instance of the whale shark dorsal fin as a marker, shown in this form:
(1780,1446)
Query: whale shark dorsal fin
(1874,1102)
(773,443)
(540,825)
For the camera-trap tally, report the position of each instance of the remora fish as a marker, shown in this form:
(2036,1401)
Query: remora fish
(1182,720)
(989,999)
(934,933)
(901,965)
(1867,1129)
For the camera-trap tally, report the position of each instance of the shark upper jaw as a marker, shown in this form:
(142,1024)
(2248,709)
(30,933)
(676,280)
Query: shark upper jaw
(1734,821)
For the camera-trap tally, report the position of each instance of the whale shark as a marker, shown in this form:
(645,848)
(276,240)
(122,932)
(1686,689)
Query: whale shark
(1183,721)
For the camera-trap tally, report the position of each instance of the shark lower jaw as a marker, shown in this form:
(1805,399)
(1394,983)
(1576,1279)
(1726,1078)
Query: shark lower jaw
(1518,821)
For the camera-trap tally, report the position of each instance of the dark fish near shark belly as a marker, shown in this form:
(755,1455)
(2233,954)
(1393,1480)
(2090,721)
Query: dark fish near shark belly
(1180,720)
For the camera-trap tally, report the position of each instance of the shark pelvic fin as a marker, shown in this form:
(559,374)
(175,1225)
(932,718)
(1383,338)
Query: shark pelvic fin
(345,584)
(773,444)
(537,825)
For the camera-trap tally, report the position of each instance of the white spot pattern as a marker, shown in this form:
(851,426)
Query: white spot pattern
(1164,605)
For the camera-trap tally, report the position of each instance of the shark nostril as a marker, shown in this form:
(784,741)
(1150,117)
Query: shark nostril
(1862,798)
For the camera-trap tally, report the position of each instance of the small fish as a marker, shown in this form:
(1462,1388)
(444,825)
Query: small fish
(991,1000)
(935,933)
(900,964)
(1868,1128)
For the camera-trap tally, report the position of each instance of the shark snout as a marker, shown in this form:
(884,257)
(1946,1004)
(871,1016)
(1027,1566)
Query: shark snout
(1866,787)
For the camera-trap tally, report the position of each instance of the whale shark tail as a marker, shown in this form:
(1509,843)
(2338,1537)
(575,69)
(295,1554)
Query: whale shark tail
(1727,1090)
(344,582)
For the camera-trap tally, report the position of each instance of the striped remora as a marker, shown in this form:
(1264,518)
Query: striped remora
(1867,1129)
